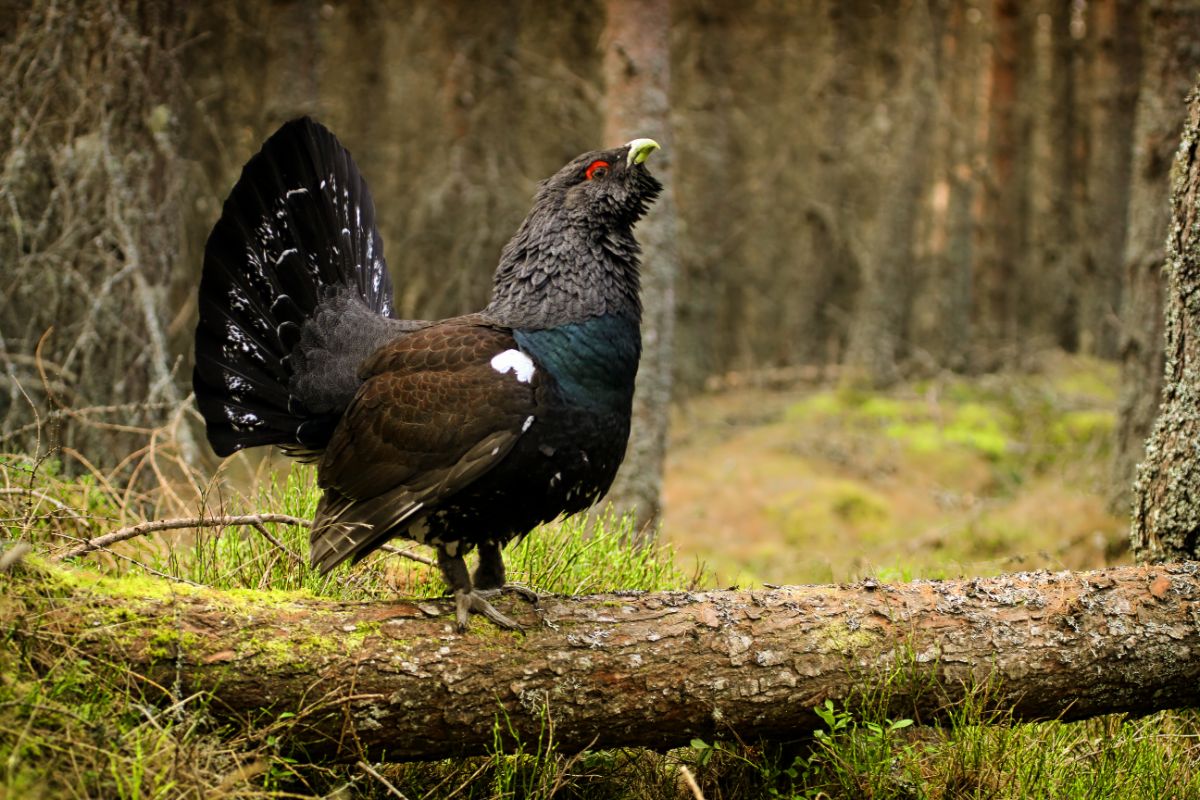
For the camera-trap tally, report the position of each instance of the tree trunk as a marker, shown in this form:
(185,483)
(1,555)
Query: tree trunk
(1001,250)
(941,314)
(1166,514)
(904,90)
(392,679)
(1053,285)
(637,82)
(711,327)
(1115,86)
(1171,62)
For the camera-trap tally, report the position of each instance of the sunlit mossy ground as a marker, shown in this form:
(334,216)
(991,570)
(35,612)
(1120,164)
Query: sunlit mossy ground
(934,478)
(941,477)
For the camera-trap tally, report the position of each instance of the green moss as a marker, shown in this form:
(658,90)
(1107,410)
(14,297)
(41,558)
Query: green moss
(882,407)
(971,425)
(486,634)
(1083,427)
(169,642)
(918,437)
(815,405)
(1088,379)
(133,585)
(359,635)
(837,637)
(275,650)
(318,645)
(855,503)
(921,427)
(235,599)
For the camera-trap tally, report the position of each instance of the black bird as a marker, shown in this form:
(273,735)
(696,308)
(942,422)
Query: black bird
(460,433)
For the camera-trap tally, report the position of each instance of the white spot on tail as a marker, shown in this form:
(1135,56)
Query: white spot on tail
(515,360)
(528,422)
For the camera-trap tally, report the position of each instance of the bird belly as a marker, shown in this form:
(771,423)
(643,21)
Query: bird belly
(563,465)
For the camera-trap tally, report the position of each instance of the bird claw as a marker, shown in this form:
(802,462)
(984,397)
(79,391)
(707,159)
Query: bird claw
(474,601)
(522,591)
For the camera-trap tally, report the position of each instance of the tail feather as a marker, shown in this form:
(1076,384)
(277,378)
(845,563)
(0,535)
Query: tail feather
(296,234)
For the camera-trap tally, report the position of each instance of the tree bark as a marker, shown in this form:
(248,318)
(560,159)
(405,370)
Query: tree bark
(1166,515)
(1054,287)
(1171,62)
(392,679)
(637,81)
(1116,66)
(1000,252)
(904,90)
(941,291)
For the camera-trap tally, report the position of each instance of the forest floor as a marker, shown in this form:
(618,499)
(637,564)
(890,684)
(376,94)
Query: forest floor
(936,478)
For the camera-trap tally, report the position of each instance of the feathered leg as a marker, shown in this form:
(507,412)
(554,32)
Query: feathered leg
(489,575)
(467,599)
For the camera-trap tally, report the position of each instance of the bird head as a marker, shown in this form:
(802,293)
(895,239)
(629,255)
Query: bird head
(604,186)
(574,256)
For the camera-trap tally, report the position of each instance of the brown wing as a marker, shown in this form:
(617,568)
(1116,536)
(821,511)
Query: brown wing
(432,416)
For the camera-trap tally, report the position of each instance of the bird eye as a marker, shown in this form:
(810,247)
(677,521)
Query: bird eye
(597,169)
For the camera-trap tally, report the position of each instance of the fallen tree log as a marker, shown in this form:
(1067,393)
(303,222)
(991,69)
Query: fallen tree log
(391,679)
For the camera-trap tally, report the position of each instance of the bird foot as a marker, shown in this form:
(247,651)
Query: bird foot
(475,602)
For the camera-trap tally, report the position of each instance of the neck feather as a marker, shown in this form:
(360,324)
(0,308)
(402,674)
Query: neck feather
(557,271)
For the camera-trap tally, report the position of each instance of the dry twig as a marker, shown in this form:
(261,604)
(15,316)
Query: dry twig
(411,556)
(691,782)
(141,529)
(392,790)
(255,521)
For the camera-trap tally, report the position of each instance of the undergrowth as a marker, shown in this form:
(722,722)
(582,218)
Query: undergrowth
(945,477)
(76,727)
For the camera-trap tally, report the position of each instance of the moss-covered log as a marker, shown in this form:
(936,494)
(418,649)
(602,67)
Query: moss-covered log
(393,680)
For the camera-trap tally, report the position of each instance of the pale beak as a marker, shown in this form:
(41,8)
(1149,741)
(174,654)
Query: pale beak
(640,150)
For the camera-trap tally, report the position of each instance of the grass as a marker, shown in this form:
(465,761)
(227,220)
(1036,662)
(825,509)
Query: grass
(823,481)
(580,555)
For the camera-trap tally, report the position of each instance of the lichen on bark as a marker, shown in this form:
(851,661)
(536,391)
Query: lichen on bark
(1166,506)
(395,678)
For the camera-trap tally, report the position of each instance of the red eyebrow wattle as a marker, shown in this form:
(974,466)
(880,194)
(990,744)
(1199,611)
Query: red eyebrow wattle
(595,165)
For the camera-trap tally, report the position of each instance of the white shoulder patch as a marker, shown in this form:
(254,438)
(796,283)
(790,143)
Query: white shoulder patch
(515,360)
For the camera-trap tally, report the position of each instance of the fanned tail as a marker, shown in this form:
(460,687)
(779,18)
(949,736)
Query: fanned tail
(294,293)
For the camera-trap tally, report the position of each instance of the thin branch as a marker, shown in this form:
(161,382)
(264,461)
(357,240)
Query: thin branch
(41,496)
(133,531)
(392,790)
(266,534)
(411,556)
(146,567)
(255,521)
(13,555)
(691,782)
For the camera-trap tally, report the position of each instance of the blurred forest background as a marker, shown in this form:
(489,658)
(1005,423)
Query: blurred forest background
(870,193)
(904,302)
